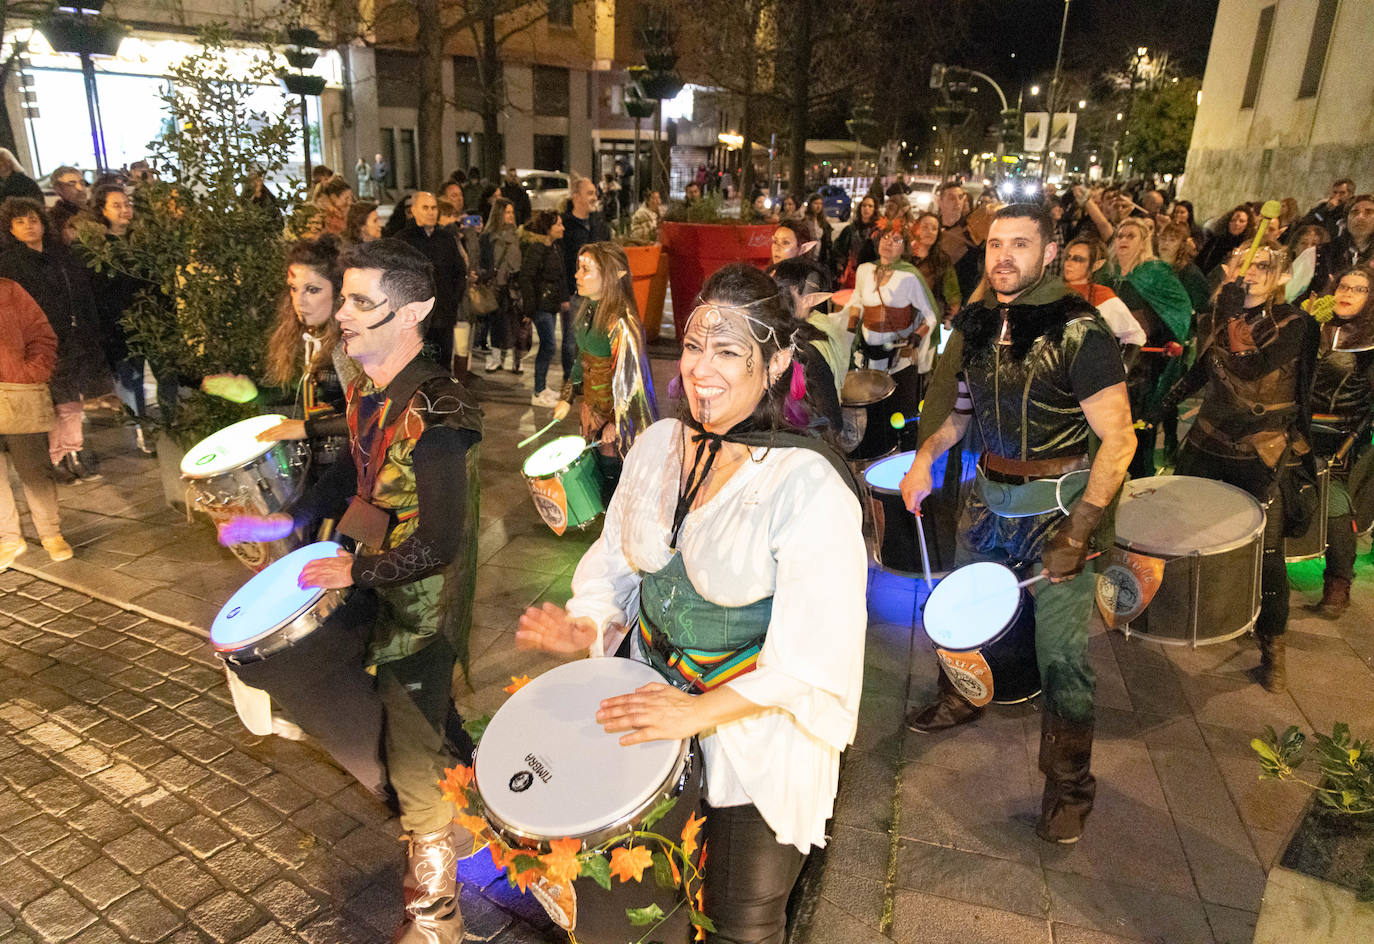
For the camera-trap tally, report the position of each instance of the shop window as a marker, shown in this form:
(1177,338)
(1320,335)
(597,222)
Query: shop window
(1316,49)
(1257,57)
(551,91)
(398,79)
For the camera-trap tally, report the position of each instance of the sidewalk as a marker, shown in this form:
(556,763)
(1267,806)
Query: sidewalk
(134,807)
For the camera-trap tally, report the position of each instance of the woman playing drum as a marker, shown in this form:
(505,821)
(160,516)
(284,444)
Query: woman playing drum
(709,559)
(1342,406)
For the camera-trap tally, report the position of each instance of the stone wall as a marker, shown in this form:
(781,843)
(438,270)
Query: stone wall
(1219,179)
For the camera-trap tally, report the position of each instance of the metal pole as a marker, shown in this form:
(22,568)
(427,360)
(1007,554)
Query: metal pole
(93,111)
(1054,89)
(305,144)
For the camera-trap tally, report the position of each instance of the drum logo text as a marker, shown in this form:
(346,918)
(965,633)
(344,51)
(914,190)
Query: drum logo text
(536,765)
(551,501)
(970,673)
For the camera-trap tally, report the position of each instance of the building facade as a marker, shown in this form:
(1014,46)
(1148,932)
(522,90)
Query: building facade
(1287,103)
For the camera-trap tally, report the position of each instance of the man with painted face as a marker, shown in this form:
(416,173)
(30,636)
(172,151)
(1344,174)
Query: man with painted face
(373,685)
(1037,369)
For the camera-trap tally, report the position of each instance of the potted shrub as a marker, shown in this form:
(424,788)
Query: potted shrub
(1322,887)
(212,262)
(699,241)
(648,271)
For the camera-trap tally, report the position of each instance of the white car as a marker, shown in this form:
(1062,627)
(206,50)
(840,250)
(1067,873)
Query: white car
(547,189)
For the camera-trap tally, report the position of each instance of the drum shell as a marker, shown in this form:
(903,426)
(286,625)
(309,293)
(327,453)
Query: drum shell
(1312,544)
(1009,656)
(291,632)
(868,419)
(569,497)
(896,544)
(265,485)
(1204,597)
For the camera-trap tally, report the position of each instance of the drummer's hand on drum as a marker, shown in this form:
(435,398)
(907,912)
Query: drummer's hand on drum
(550,628)
(916,484)
(331,573)
(244,528)
(286,429)
(652,712)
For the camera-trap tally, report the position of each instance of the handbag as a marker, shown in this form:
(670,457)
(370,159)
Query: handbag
(1298,488)
(25,408)
(482,298)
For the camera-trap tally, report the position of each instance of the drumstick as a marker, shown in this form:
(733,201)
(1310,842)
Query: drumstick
(1039,577)
(531,438)
(1270,211)
(925,556)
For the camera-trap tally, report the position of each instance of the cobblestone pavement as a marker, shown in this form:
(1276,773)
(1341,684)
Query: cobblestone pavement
(134,807)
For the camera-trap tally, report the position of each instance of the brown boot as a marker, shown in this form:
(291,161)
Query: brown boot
(947,710)
(1066,749)
(1272,672)
(432,915)
(1335,597)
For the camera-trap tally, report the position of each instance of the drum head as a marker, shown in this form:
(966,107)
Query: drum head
(552,458)
(1173,515)
(229,448)
(269,600)
(886,474)
(547,769)
(971,605)
(862,387)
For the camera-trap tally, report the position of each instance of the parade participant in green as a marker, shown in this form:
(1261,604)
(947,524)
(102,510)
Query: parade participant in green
(1040,373)
(409,484)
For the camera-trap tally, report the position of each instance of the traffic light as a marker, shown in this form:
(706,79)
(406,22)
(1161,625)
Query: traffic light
(1011,129)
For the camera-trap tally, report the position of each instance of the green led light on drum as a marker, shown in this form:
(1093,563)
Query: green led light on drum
(554,457)
(229,448)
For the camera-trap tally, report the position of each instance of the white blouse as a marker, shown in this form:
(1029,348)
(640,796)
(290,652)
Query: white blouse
(785,526)
(901,289)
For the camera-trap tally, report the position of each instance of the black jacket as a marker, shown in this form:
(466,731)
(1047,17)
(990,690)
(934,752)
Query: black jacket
(61,286)
(440,247)
(542,282)
(576,234)
(18,184)
(519,199)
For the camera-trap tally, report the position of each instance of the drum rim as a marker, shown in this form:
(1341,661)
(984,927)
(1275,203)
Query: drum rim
(675,775)
(883,489)
(294,449)
(280,624)
(1021,594)
(859,404)
(561,469)
(267,447)
(1175,553)
(290,631)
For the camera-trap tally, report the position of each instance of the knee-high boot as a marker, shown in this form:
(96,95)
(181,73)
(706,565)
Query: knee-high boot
(947,710)
(430,887)
(1066,749)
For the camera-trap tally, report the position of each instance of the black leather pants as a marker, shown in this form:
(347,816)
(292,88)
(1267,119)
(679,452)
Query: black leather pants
(749,876)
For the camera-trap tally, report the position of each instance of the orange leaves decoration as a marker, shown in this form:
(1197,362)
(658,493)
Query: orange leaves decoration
(630,863)
(561,863)
(689,834)
(516,683)
(455,785)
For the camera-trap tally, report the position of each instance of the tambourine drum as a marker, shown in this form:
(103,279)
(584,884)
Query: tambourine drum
(896,547)
(545,769)
(1312,544)
(1210,536)
(866,406)
(230,473)
(564,483)
(982,626)
(271,612)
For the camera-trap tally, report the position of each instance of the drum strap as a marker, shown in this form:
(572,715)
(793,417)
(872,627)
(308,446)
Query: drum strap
(699,669)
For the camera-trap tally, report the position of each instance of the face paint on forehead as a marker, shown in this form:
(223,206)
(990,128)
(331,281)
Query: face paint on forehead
(733,323)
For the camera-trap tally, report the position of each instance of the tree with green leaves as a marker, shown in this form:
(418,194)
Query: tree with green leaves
(1161,126)
(211,261)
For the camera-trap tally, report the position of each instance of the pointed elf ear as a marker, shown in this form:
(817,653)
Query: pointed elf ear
(1099,264)
(811,299)
(806,248)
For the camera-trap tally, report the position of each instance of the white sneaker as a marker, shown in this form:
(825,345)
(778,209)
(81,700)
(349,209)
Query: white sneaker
(493,362)
(509,360)
(9,550)
(545,398)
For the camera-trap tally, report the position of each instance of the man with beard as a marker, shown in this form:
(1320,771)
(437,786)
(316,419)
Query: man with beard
(373,685)
(1038,370)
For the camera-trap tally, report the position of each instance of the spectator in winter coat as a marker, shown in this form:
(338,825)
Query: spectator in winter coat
(13,181)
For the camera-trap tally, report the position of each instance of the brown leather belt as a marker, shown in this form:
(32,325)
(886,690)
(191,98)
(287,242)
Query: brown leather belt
(887,318)
(1033,468)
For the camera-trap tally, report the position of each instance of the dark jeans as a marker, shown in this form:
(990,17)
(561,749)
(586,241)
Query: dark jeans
(439,333)
(544,324)
(749,876)
(569,348)
(1261,482)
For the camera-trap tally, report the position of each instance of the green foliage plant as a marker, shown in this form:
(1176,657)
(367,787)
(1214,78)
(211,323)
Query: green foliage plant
(212,263)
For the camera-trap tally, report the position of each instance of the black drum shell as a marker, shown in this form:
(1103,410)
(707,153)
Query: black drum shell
(867,404)
(896,546)
(1009,654)
(1312,544)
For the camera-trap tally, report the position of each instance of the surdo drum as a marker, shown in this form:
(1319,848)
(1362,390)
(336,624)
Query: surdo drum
(866,405)
(983,628)
(564,483)
(1312,543)
(896,548)
(231,473)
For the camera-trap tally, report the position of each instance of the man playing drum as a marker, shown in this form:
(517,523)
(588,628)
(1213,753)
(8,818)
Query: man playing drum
(409,485)
(1040,372)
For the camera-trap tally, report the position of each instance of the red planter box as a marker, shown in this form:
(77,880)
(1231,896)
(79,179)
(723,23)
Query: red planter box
(697,250)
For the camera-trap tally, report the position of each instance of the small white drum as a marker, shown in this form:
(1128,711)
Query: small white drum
(545,769)
(271,611)
(983,628)
(231,473)
(1210,538)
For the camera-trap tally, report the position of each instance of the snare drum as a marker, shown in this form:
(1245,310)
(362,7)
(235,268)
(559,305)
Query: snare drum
(867,405)
(230,473)
(983,628)
(1312,543)
(564,483)
(896,546)
(1210,536)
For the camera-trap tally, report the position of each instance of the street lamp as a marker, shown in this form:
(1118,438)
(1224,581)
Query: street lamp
(301,55)
(1035,90)
(75,28)
(1082,104)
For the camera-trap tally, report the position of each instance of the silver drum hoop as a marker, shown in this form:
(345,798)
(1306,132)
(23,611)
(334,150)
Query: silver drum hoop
(286,633)
(271,481)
